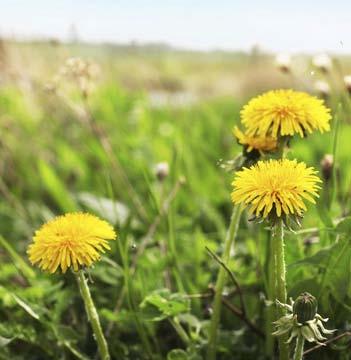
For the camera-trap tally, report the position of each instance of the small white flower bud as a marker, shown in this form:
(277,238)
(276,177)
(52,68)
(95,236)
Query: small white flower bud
(347,82)
(322,62)
(162,170)
(283,62)
(327,164)
(322,88)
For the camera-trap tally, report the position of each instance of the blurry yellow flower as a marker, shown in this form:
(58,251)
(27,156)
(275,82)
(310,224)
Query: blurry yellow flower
(285,112)
(259,143)
(275,186)
(74,239)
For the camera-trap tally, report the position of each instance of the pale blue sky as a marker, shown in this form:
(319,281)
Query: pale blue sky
(300,25)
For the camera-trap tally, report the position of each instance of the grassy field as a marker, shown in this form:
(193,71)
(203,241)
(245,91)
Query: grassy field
(64,150)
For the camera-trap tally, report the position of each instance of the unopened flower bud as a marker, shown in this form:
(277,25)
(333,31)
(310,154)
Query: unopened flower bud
(305,307)
(283,62)
(327,164)
(322,62)
(322,88)
(162,170)
(347,82)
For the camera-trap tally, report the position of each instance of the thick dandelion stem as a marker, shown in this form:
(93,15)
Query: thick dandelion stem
(93,316)
(300,342)
(270,313)
(280,281)
(231,233)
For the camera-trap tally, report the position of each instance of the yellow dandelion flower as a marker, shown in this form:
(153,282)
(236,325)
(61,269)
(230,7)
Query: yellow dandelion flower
(285,112)
(74,239)
(259,143)
(275,186)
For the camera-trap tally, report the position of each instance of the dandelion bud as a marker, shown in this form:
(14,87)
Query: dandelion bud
(347,82)
(162,170)
(322,88)
(305,307)
(322,62)
(283,62)
(327,164)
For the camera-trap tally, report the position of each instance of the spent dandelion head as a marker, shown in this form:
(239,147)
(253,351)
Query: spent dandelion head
(275,188)
(72,240)
(280,113)
(82,72)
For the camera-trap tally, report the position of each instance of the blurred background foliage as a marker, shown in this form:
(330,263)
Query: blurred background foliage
(65,150)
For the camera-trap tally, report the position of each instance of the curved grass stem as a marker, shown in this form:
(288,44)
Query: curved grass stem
(231,233)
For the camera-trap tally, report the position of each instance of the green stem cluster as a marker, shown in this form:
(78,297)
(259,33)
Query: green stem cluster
(231,233)
(92,316)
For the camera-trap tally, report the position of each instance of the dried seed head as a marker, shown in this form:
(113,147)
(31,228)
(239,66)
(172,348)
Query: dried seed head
(80,71)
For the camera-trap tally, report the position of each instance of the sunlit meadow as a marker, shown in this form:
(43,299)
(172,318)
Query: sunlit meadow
(147,213)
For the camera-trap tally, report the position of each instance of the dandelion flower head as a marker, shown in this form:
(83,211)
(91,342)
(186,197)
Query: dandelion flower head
(276,187)
(74,239)
(285,113)
(259,143)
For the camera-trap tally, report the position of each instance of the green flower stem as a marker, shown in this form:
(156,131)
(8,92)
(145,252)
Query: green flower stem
(231,233)
(270,313)
(92,315)
(180,331)
(280,281)
(299,347)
